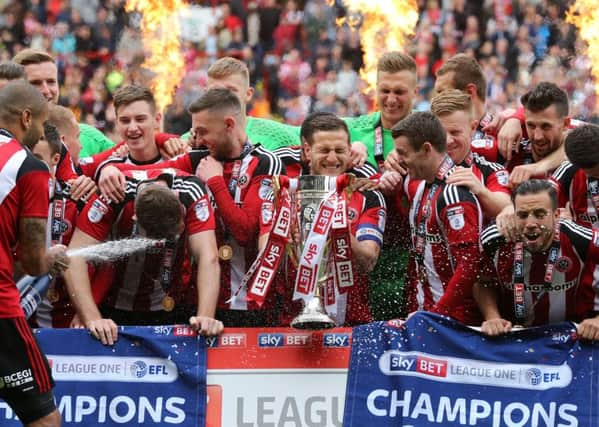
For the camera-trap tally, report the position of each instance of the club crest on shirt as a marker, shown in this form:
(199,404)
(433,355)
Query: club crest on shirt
(455,217)
(243,181)
(97,211)
(201,209)
(563,264)
(502,177)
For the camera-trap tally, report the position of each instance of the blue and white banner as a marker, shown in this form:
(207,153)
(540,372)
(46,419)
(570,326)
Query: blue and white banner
(433,371)
(152,376)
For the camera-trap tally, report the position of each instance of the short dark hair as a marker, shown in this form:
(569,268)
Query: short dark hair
(321,121)
(126,95)
(581,146)
(544,95)
(466,70)
(216,99)
(52,136)
(10,70)
(536,186)
(158,211)
(17,96)
(421,127)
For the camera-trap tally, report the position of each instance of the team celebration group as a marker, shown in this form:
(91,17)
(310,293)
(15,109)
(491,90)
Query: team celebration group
(487,219)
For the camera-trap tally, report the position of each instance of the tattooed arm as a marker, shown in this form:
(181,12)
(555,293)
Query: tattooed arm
(35,258)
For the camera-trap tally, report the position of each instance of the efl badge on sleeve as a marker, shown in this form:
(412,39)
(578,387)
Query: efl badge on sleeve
(97,211)
(455,216)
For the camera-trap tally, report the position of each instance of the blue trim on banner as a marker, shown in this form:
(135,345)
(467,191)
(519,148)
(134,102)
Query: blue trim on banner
(433,371)
(150,377)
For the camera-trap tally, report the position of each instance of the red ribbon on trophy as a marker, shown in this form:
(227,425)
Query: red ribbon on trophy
(264,268)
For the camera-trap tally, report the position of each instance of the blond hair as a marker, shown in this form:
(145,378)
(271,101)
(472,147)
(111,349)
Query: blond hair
(394,62)
(228,66)
(450,101)
(61,117)
(32,56)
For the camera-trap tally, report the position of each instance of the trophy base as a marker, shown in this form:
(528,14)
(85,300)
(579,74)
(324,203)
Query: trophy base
(313,322)
(313,317)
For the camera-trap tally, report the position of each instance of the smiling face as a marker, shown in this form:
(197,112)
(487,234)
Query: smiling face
(213,130)
(329,153)
(536,219)
(414,161)
(459,127)
(136,124)
(395,93)
(44,76)
(545,130)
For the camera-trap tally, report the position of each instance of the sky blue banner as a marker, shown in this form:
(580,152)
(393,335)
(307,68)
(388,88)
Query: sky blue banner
(152,376)
(432,371)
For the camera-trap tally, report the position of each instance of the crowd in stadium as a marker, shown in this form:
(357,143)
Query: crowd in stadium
(299,60)
(474,187)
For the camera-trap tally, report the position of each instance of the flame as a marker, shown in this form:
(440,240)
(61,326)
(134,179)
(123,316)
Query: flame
(161,39)
(384,26)
(584,14)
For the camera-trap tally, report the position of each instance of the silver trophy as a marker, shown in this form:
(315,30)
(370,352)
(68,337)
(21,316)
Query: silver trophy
(311,191)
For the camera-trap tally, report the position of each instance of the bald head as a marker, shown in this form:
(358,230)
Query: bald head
(23,111)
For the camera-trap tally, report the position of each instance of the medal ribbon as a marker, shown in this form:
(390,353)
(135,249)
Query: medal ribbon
(419,231)
(518,275)
(59,203)
(378,146)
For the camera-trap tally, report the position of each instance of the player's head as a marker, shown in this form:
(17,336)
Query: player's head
(48,147)
(158,211)
(419,140)
(396,86)
(136,116)
(9,71)
(23,111)
(546,111)
(325,144)
(455,112)
(68,128)
(231,73)
(463,73)
(535,204)
(40,71)
(581,148)
(217,120)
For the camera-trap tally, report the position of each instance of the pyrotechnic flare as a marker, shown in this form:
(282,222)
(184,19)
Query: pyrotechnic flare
(584,14)
(161,39)
(384,26)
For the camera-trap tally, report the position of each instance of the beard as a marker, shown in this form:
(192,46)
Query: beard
(31,137)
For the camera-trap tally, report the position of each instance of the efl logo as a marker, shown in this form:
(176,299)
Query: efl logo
(335,340)
(421,364)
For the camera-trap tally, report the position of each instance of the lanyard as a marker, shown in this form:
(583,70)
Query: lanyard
(59,202)
(518,274)
(378,146)
(468,160)
(419,235)
(237,168)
